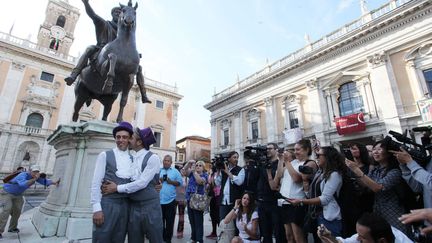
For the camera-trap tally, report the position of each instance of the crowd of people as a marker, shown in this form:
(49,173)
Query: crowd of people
(294,193)
(323,192)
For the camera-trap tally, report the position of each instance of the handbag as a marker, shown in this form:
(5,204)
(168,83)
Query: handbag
(310,223)
(199,202)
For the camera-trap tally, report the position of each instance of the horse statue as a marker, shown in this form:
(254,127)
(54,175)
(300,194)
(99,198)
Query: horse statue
(114,69)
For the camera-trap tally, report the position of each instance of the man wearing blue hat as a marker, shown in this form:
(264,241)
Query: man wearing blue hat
(110,212)
(145,210)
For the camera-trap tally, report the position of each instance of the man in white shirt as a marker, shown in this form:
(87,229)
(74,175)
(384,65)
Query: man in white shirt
(145,209)
(371,228)
(231,180)
(110,215)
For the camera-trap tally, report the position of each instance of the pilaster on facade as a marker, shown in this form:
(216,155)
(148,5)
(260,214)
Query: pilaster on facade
(317,107)
(368,99)
(237,131)
(271,121)
(312,84)
(214,141)
(331,115)
(14,79)
(417,60)
(377,59)
(173,130)
(387,100)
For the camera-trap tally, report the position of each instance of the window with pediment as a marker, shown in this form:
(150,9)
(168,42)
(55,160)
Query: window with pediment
(225,126)
(350,100)
(158,137)
(253,119)
(293,111)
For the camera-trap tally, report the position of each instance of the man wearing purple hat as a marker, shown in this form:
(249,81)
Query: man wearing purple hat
(145,209)
(110,212)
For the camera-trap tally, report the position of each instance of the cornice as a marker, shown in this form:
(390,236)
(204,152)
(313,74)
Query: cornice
(364,35)
(161,92)
(49,60)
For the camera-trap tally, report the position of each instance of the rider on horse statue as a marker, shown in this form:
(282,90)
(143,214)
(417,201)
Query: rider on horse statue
(106,31)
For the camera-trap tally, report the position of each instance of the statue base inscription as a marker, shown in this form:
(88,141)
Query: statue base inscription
(67,211)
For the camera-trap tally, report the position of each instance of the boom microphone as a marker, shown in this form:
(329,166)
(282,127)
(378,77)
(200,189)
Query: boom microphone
(421,129)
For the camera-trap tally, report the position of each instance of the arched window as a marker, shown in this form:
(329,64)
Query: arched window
(34,120)
(61,21)
(350,100)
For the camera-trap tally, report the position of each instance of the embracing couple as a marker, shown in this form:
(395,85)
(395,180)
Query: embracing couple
(123,193)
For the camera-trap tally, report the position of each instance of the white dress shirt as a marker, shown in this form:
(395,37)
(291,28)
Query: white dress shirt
(123,164)
(237,179)
(141,178)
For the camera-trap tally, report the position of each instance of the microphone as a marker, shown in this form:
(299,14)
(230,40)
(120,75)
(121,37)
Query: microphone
(421,129)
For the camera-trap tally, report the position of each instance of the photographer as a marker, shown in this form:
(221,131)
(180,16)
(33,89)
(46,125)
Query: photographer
(419,179)
(269,213)
(170,178)
(15,188)
(230,180)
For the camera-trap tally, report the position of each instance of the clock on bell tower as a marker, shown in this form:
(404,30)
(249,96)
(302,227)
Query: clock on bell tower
(57,31)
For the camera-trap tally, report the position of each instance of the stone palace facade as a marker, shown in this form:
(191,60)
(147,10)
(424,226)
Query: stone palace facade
(377,69)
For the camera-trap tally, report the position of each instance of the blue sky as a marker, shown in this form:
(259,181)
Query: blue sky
(202,45)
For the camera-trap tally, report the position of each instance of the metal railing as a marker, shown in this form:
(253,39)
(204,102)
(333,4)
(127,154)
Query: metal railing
(328,39)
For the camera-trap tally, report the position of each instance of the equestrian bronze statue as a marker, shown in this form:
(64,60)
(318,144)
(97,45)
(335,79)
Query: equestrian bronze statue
(114,65)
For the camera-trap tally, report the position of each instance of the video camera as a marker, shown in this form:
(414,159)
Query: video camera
(417,151)
(220,160)
(257,156)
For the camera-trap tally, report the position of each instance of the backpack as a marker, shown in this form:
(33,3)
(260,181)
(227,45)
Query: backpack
(11,176)
(348,206)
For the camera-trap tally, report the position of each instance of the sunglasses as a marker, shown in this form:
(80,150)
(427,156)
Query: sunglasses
(317,155)
(199,165)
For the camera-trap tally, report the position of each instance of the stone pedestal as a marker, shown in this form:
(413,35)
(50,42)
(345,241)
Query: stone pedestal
(67,211)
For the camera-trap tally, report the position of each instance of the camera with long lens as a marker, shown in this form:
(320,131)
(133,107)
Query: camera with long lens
(220,160)
(417,151)
(257,156)
(304,169)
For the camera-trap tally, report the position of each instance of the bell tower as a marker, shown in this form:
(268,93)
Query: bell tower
(57,31)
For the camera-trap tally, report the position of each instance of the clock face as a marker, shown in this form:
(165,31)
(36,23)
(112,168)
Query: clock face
(58,32)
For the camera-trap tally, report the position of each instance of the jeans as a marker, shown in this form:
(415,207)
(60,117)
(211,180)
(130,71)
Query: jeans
(335,226)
